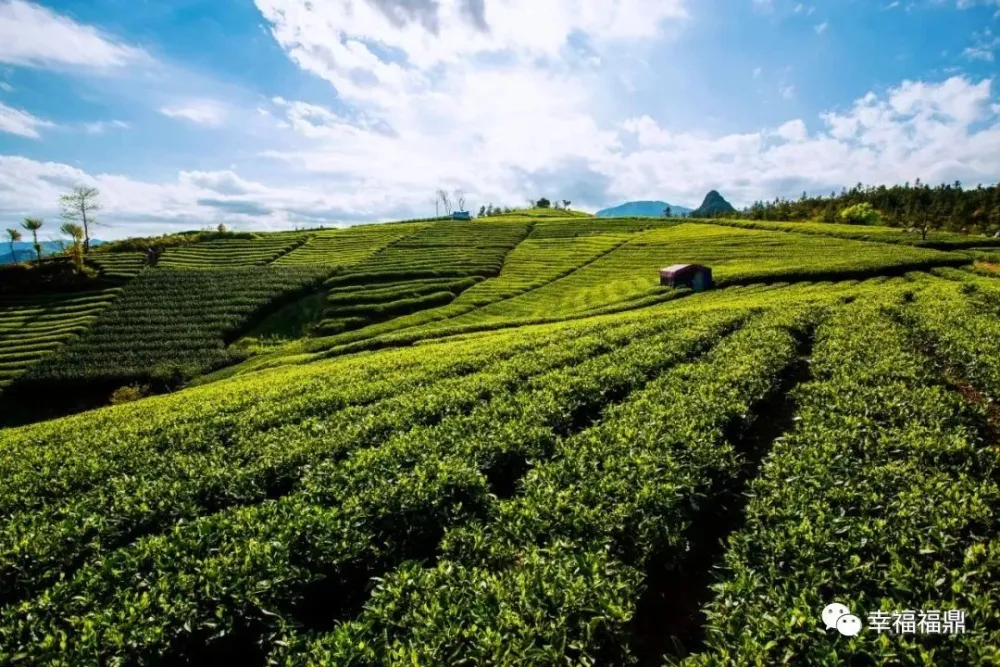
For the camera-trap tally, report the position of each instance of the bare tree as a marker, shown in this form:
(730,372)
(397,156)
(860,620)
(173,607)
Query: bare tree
(445,201)
(79,206)
(566,203)
(460,199)
(437,207)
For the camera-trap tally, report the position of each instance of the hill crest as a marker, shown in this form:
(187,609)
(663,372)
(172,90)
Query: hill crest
(713,204)
(648,208)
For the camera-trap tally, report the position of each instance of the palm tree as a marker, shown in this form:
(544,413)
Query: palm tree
(75,232)
(33,225)
(15,236)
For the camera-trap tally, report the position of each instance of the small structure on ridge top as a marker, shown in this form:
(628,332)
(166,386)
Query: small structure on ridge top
(693,276)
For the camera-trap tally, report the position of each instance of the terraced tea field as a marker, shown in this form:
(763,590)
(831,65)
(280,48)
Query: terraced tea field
(559,462)
(33,327)
(422,270)
(226,253)
(935,239)
(167,325)
(119,264)
(622,271)
(346,247)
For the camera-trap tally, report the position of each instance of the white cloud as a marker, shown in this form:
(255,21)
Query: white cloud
(344,41)
(821,28)
(763,6)
(102,126)
(757,72)
(939,132)
(968,4)
(201,112)
(32,35)
(519,110)
(481,102)
(6,87)
(194,199)
(21,123)
(221,182)
(793,130)
(983,46)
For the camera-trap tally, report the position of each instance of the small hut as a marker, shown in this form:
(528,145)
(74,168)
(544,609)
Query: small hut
(461,215)
(693,276)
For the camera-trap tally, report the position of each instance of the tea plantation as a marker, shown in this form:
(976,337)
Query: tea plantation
(502,442)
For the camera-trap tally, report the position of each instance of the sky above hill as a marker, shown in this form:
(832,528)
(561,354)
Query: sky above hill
(273,114)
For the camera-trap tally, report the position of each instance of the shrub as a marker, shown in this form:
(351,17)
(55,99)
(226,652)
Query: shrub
(129,393)
(861,214)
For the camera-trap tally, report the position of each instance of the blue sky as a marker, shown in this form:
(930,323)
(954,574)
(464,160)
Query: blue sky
(274,114)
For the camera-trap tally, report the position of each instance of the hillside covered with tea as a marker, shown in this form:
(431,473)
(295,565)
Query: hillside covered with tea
(503,441)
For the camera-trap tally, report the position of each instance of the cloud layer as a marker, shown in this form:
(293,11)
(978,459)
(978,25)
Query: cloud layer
(34,36)
(506,101)
(21,123)
(939,132)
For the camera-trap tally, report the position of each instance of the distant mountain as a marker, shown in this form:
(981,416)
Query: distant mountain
(26,250)
(714,203)
(652,209)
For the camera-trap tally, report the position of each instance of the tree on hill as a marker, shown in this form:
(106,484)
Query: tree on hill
(566,203)
(222,228)
(667,212)
(80,206)
(482,211)
(75,232)
(14,235)
(948,206)
(543,203)
(918,209)
(33,225)
(460,199)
